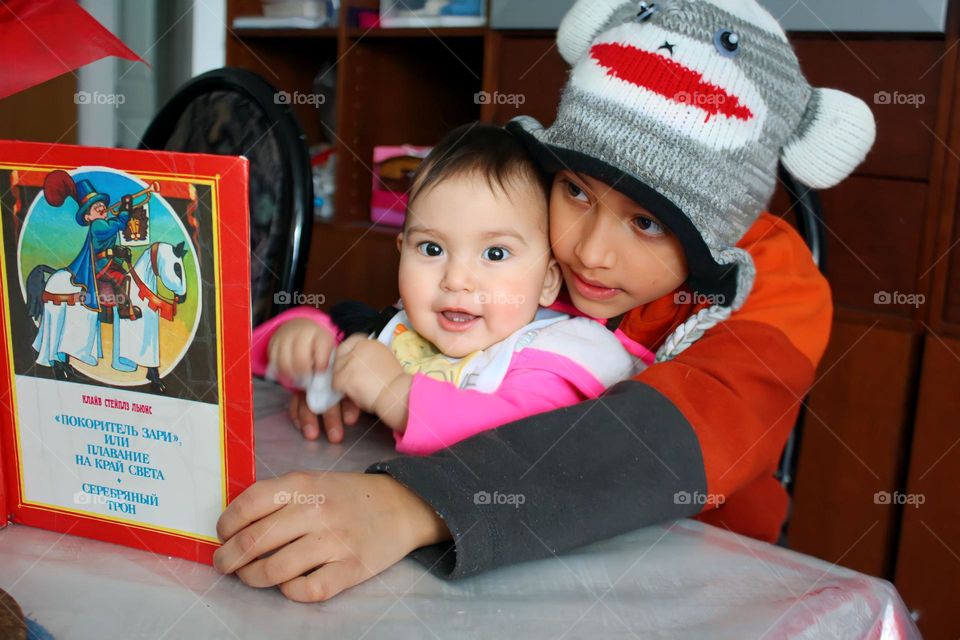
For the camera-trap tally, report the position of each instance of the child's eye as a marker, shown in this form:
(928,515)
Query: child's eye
(496,254)
(575,192)
(430,249)
(649,226)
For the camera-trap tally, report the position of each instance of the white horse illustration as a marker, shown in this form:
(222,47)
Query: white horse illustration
(69,329)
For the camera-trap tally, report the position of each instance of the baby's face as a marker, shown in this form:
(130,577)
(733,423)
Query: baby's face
(475,262)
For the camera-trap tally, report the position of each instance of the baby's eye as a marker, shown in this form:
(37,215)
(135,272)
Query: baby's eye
(430,249)
(496,254)
(649,226)
(575,192)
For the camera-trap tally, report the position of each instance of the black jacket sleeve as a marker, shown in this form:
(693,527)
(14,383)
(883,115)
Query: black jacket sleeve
(557,480)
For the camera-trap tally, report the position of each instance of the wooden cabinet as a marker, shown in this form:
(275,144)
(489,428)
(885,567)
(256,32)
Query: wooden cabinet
(876,66)
(928,561)
(400,89)
(928,555)
(44,113)
(856,427)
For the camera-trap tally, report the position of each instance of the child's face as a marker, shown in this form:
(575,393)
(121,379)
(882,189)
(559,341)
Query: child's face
(613,253)
(475,262)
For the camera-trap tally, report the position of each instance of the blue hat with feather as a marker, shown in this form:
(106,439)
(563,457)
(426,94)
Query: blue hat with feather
(87,196)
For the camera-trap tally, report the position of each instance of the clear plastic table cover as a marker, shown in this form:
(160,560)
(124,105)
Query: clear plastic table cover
(677,580)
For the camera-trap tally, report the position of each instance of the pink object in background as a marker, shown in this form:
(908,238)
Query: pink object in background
(393,168)
(368,19)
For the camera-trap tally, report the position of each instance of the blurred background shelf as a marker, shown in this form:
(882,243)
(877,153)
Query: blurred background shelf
(438,32)
(322,32)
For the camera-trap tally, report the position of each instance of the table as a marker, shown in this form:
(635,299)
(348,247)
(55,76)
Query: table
(680,579)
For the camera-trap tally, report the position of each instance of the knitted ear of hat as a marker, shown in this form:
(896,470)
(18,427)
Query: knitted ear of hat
(687,106)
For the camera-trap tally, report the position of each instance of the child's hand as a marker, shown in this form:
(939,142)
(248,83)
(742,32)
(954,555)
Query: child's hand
(329,531)
(334,420)
(368,373)
(298,348)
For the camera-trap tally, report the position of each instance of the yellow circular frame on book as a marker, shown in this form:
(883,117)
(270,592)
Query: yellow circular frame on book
(109,274)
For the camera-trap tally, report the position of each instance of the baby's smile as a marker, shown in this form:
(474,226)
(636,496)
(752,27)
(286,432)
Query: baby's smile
(456,320)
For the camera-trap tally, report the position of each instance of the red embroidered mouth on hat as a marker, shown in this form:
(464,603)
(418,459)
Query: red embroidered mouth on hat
(668,78)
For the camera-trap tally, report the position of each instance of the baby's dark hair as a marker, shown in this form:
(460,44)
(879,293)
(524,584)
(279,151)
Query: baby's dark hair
(484,149)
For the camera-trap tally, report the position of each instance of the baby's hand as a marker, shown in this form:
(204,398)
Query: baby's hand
(368,373)
(334,420)
(298,348)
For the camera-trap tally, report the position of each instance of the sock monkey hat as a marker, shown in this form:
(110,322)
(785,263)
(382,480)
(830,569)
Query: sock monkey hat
(687,106)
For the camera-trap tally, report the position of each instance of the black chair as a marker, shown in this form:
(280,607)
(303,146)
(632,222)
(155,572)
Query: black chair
(805,204)
(235,112)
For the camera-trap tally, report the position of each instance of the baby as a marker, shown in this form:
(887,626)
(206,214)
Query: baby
(474,344)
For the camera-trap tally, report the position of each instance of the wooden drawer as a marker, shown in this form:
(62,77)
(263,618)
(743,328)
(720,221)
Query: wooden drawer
(928,564)
(853,441)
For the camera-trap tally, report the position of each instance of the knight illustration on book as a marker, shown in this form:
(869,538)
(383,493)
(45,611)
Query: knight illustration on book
(99,267)
(105,283)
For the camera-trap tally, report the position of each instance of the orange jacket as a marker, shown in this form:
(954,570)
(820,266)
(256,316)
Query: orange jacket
(749,375)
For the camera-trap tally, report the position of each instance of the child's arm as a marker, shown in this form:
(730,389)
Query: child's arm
(299,342)
(263,334)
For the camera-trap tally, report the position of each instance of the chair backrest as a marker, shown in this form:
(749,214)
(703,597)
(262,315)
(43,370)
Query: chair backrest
(806,207)
(235,112)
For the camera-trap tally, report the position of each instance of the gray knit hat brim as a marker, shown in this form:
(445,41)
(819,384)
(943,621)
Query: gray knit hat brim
(705,275)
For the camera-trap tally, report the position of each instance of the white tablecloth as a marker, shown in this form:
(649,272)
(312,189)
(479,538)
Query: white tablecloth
(677,580)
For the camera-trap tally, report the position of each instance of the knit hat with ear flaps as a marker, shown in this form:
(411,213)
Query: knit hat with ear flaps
(687,106)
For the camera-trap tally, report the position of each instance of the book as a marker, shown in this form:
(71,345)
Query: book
(125,382)
(279,22)
(399,14)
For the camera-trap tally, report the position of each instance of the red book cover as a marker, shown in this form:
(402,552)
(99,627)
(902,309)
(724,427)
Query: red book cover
(4,512)
(125,383)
